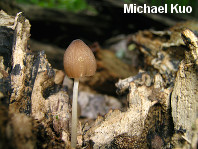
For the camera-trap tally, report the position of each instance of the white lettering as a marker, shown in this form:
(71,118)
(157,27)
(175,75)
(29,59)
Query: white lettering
(147,9)
(154,9)
(182,10)
(161,9)
(166,8)
(134,8)
(138,9)
(188,9)
(174,8)
(128,9)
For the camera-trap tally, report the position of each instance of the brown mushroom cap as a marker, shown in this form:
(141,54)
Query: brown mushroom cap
(79,60)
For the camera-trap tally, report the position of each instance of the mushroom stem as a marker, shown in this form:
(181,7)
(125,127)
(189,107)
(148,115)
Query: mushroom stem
(74,114)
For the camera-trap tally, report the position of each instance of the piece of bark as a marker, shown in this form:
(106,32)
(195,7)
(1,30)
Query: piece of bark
(21,29)
(163,50)
(130,129)
(184,99)
(123,85)
(36,98)
(6,43)
(43,76)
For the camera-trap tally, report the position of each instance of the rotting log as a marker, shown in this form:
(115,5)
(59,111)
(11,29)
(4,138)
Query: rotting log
(145,123)
(20,71)
(184,99)
(37,112)
(156,116)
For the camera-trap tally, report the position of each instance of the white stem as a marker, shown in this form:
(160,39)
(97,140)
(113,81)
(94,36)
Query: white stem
(74,114)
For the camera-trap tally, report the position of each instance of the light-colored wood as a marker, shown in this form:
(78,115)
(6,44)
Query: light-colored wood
(184,99)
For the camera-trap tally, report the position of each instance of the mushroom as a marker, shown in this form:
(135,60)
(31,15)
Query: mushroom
(78,61)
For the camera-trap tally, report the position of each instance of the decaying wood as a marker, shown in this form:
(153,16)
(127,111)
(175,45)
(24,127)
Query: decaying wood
(123,85)
(163,50)
(184,99)
(131,128)
(147,122)
(21,29)
(37,102)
